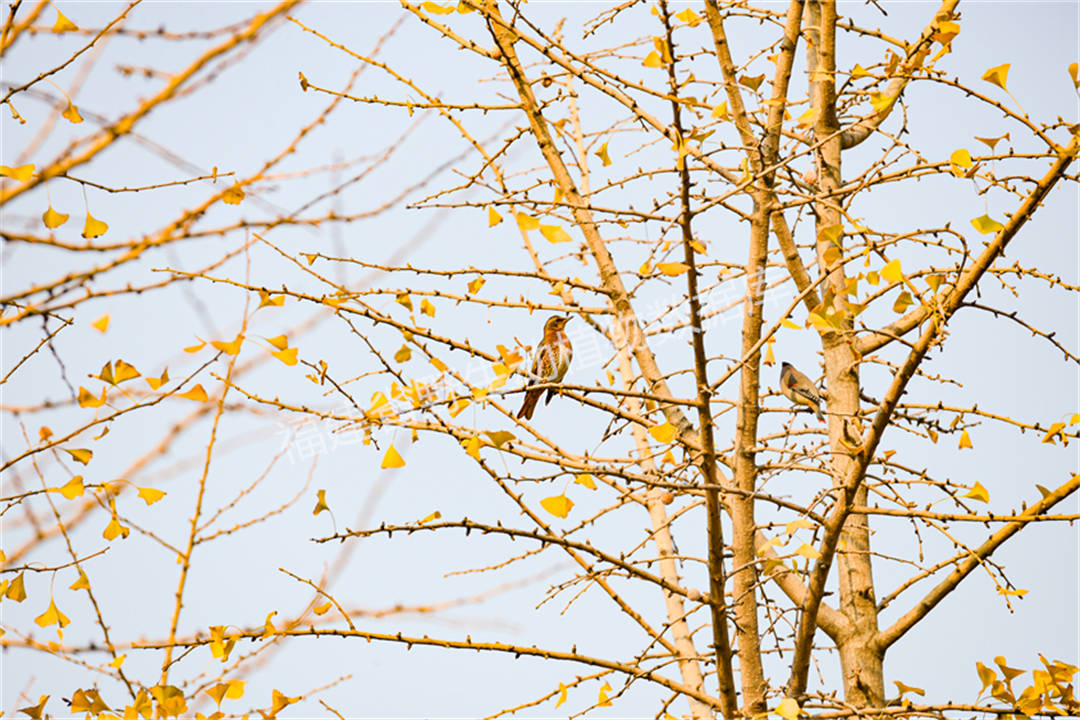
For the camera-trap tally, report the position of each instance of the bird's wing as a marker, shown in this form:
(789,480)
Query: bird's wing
(801,385)
(803,392)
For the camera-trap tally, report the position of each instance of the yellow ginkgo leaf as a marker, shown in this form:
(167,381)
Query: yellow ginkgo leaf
(279,341)
(52,616)
(118,661)
(475,285)
(427,308)
(196,393)
(798,524)
(562,695)
(93,227)
(892,271)
(992,142)
(403,354)
(80,455)
(689,17)
(430,517)
(404,300)
(602,153)
(500,437)
(858,71)
(229,348)
(114,530)
(217,692)
(808,551)
(71,114)
(150,495)
(526,222)
(101,324)
(87,399)
(752,82)
(392,459)
(472,447)
(1052,431)
(81,583)
(986,224)
(903,302)
(279,699)
(770,358)
(268,626)
(16,591)
(123,371)
(265,300)
(555,234)
(672,269)
(62,24)
(156,383)
(494,218)
(603,700)
(436,9)
(977,492)
(557,505)
(903,688)
(881,102)
(287,356)
(19,174)
(965,440)
(807,119)
(663,433)
(959,160)
(233,195)
(998,75)
(585,479)
(788,709)
(1015,592)
(53,219)
(789,324)
(72,489)
(170,700)
(652,60)
(320,504)
(458,405)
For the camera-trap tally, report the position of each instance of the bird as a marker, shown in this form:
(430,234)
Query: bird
(798,389)
(550,363)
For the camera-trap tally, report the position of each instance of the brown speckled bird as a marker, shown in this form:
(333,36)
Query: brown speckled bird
(550,363)
(798,389)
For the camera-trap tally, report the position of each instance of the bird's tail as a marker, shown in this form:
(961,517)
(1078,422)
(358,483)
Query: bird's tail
(527,407)
(817,409)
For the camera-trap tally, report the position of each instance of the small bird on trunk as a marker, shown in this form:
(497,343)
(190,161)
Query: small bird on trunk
(798,389)
(550,363)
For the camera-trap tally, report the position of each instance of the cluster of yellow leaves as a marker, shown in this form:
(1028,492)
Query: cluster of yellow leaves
(1057,430)
(18,174)
(560,505)
(282,351)
(527,223)
(436,9)
(804,550)
(1051,690)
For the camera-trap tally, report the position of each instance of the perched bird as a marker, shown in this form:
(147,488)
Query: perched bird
(798,389)
(550,363)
